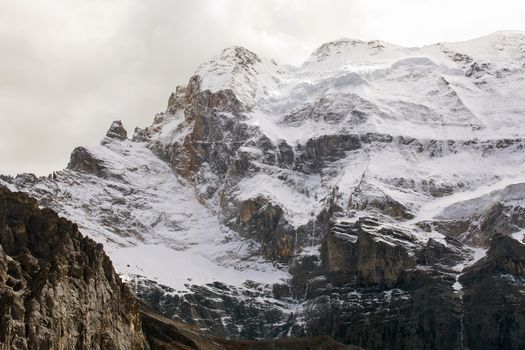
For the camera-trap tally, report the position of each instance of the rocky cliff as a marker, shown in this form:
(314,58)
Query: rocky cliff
(59,291)
(355,195)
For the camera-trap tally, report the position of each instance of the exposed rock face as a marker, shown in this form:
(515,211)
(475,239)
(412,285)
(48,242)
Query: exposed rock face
(167,334)
(494,302)
(267,224)
(366,290)
(376,259)
(59,289)
(478,220)
(116,131)
(240,311)
(83,161)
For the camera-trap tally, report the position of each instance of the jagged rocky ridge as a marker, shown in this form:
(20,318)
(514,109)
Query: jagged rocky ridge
(350,196)
(59,291)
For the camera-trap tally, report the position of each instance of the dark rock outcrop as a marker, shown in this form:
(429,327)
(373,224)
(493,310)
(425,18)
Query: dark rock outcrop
(494,301)
(59,289)
(266,221)
(83,161)
(224,311)
(166,334)
(116,131)
(366,253)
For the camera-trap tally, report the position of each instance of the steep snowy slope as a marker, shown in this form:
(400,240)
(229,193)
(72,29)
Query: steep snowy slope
(271,200)
(148,218)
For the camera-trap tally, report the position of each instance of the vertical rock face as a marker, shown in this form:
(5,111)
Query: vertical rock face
(371,288)
(266,223)
(373,258)
(494,302)
(58,289)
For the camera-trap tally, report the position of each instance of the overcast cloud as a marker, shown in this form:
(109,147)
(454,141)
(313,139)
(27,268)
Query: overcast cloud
(70,67)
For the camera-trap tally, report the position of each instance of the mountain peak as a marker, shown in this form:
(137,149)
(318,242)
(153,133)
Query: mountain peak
(116,131)
(346,48)
(239,55)
(234,68)
(231,58)
(508,33)
(496,37)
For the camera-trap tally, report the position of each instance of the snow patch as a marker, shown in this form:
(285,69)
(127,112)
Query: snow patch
(180,269)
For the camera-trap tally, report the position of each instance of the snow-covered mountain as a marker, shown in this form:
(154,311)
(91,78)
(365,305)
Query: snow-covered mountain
(371,193)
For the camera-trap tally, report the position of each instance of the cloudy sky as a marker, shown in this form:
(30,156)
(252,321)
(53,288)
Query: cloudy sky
(70,67)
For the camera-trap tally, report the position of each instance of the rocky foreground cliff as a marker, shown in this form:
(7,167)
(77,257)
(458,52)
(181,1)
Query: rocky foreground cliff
(59,290)
(374,193)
